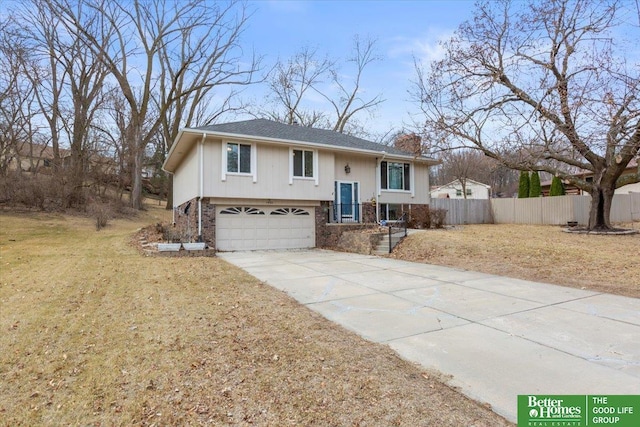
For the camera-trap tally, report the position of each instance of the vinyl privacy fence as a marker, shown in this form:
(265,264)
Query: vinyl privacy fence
(540,210)
(461,211)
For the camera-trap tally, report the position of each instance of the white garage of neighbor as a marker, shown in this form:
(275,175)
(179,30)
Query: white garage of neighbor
(240,228)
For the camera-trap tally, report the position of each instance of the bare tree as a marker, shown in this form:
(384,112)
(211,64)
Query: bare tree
(350,100)
(112,127)
(16,98)
(132,42)
(466,164)
(40,39)
(67,79)
(291,82)
(463,165)
(543,80)
(298,86)
(206,65)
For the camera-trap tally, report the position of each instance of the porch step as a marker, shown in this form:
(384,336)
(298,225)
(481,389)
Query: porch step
(383,245)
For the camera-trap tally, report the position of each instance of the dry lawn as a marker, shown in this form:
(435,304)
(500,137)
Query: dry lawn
(539,253)
(95,333)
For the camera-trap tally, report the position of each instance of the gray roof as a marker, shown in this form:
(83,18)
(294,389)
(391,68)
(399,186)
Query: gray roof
(270,129)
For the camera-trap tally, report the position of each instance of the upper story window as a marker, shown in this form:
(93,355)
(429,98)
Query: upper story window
(238,158)
(395,176)
(303,163)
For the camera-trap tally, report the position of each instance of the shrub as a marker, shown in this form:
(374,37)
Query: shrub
(557,187)
(534,185)
(175,234)
(102,212)
(523,186)
(419,218)
(437,217)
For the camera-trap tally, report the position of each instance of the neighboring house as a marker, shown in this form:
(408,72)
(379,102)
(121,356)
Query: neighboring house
(260,184)
(629,188)
(570,189)
(39,158)
(34,157)
(453,190)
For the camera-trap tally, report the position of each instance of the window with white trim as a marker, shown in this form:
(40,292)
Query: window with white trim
(238,158)
(395,176)
(303,163)
(390,211)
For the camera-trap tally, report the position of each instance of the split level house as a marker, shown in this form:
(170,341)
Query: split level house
(260,184)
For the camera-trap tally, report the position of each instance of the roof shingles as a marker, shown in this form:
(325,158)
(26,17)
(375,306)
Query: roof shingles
(270,129)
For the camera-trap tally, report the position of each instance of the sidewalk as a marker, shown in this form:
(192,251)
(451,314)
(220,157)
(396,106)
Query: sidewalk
(497,337)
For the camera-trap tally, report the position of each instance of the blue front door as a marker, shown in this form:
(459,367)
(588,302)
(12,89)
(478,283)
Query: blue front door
(347,202)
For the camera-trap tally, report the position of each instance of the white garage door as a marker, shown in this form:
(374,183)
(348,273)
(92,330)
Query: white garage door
(240,228)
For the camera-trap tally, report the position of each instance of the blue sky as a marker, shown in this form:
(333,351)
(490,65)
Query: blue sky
(403,29)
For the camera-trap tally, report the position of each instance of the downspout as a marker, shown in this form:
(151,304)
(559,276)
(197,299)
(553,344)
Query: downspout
(379,185)
(200,184)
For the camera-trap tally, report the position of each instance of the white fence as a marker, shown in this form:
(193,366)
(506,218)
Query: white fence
(540,210)
(461,211)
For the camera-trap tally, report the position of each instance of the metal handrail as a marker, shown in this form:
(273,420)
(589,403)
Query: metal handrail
(401,224)
(338,213)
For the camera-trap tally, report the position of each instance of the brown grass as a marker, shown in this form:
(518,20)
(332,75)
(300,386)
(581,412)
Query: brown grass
(94,333)
(539,253)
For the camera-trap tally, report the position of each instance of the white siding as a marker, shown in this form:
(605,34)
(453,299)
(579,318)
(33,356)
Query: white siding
(185,179)
(420,193)
(363,171)
(477,191)
(273,181)
(629,188)
(272,176)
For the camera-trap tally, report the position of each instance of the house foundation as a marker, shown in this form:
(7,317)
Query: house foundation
(328,234)
(185,224)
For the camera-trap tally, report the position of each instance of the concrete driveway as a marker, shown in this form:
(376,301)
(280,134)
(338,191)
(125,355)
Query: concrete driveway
(497,337)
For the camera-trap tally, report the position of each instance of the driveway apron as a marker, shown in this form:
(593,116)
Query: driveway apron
(497,337)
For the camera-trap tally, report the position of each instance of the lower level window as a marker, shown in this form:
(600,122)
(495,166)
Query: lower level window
(390,211)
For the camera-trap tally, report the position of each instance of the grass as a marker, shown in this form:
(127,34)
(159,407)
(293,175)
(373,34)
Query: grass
(533,252)
(95,333)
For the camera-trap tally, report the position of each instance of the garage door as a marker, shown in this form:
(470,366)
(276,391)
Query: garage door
(240,228)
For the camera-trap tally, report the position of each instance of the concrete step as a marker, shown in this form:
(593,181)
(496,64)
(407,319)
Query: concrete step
(383,245)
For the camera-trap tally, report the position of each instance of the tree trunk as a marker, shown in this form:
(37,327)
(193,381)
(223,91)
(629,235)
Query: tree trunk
(600,211)
(136,179)
(76,178)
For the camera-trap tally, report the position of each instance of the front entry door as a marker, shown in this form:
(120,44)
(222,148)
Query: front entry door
(347,208)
